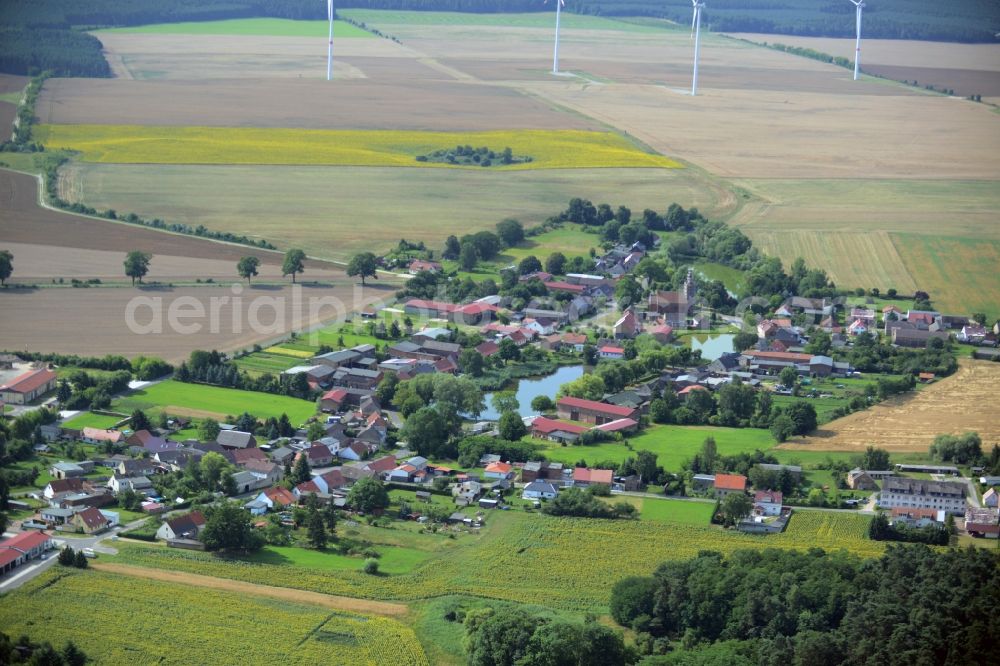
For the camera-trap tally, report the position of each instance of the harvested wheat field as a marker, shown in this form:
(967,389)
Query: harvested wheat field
(282,593)
(969,69)
(138,321)
(966,401)
(366,104)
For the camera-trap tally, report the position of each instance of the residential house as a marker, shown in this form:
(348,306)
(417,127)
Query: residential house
(628,326)
(916,517)
(815,307)
(990,498)
(271,472)
(56,516)
(57,488)
(241,457)
(276,498)
(585,476)
(922,494)
(317,455)
(662,333)
(727,484)
(467,490)
(422,266)
(136,467)
(333,400)
(20,548)
(356,450)
(865,316)
(973,334)
(767,503)
(100,436)
(330,481)
(236,439)
(611,352)
(541,471)
(498,470)
(91,521)
(28,387)
(590,411)
(118,483)
(188,526)
(859,479)
(283,455)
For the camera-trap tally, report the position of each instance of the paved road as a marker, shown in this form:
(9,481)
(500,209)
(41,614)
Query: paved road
(101,543)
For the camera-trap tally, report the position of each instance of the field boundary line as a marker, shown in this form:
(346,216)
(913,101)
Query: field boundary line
(348,604)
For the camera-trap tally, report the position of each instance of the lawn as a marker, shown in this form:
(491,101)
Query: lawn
(270,27)
(199,400)
(91,420)
(672,444)
(193,624)
(142,144)
(396,560)
(733,279)
(824,406)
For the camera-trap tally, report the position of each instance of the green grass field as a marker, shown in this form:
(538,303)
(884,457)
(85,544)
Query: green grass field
(91,420)
(143,144)
(178,398)
(193,624)
(396,560)
(271,27)
(672,444)
(524,557)
(293,207)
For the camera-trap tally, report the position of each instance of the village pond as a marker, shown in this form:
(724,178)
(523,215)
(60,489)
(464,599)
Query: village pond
(528,389)
(712,346)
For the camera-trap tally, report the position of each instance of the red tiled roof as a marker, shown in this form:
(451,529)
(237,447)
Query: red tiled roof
(66,485)
(608,349)
(769,496)
(730,482)
(337,395)
(587,475)
(318,451)
(280,495)
(383,464)
(565,286)
(499,468)
(26,540)
(8,555)
(545,426)
(790,357)
(102,435)
(333,478)
(308,487)
(574,338)
(487,348)
(691,389)
(29,381)
(592,405)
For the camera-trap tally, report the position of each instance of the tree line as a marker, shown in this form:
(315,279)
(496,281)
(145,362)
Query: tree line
(913,605)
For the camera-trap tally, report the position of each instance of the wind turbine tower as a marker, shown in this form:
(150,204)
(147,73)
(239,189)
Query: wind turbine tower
(555,52)
(859,5)
(329,44)
(696,32)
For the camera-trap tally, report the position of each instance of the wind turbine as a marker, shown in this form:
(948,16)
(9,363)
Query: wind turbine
(696,33)
(555,52)
(859,5)
(329,44)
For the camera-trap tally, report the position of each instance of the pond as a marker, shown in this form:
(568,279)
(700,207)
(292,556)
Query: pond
(529,389)
(712,346)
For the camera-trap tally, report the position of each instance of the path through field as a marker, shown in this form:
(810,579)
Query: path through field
(285,594)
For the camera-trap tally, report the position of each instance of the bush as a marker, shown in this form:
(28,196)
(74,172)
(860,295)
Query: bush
(371,566)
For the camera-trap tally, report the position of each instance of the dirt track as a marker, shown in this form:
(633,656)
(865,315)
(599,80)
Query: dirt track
(282,593)
(966,401)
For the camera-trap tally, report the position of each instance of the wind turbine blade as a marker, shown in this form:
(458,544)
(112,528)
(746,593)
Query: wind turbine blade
(694,16)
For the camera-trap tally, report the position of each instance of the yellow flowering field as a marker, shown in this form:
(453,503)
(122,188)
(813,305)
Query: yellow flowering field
(124,620)
(139,144)
(284,351)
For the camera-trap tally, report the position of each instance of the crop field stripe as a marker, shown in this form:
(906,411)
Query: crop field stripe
(543,20)
(258,27)
(138,144)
